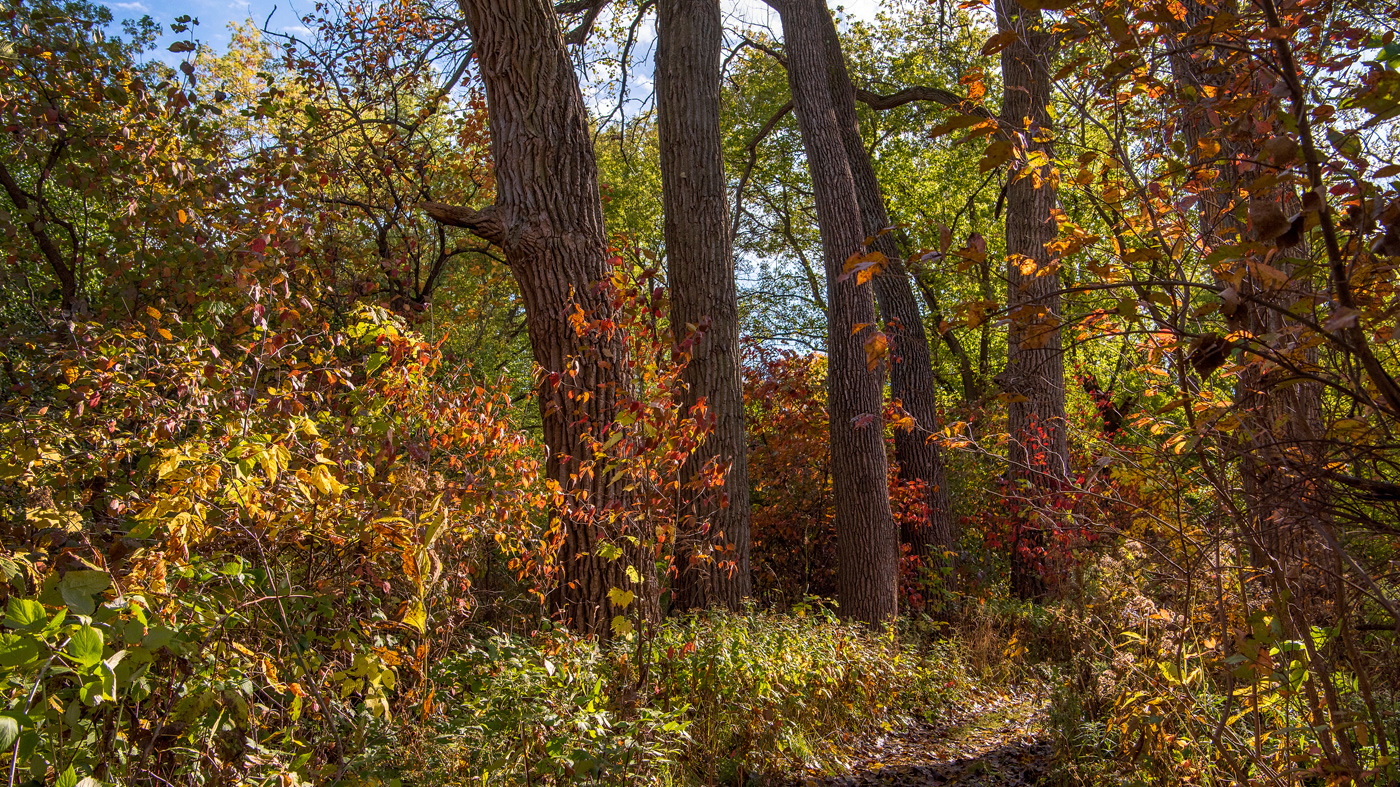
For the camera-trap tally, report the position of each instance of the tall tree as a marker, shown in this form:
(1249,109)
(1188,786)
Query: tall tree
(712,544)
(911,368)
(1034,375)
(867,542)
(548,219)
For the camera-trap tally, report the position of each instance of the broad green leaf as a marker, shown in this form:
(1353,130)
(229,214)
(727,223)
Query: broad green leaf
(23,613)
(85,646)
(9,731)
(109,681)
(17,650)
(158,637)
(79,587)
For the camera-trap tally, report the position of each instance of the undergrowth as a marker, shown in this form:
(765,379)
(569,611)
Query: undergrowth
(707,699)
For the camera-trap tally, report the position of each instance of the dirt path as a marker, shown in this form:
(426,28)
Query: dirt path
(998,741)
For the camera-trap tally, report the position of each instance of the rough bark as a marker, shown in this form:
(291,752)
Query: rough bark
(712,541)
(912,383)
(548,220)
(1034,375)
(867,543)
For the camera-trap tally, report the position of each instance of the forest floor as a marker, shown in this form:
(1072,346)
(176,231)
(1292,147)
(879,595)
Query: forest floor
(997,740)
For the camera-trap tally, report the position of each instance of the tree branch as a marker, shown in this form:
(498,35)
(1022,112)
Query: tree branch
(753,159)
(579,33)
(485,223)
(68,282)
(1339,273)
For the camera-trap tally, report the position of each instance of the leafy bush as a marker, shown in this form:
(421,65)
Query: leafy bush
(227,561)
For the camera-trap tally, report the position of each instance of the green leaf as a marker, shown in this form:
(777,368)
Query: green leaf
(17,650)
(68,778)
(9,731)
(109,681)
(23,613)
(158,637)
(86,646)
(79,587)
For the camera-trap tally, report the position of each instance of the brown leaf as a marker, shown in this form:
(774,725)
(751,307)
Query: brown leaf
(876,348)
(1281,150)
(1208,353)
(1000,41)
(1267,218)
(1342,319)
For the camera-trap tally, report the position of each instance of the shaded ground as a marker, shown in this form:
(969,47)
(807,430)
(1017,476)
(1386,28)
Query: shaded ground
(998,741)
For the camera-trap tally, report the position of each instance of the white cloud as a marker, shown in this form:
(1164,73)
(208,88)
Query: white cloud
(297,30)
(129,7)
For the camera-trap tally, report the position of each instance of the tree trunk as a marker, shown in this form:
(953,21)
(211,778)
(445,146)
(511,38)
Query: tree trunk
(548,219)
(1034,375)
(911,368)
(867,544)
(712,540)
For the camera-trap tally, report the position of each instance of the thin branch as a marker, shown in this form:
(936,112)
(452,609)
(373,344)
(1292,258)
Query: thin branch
(763,132)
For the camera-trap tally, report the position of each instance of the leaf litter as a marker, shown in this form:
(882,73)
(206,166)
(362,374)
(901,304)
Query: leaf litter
(997,740)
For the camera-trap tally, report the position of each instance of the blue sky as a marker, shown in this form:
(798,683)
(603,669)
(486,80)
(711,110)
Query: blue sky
(215,15)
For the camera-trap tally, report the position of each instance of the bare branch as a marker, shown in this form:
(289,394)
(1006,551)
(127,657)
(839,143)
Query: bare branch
(753,159)
(580,32)
(485,223)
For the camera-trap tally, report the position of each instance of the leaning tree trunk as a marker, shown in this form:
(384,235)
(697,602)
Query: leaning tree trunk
(712,540)
(1034,379)
(548,219)
(911,368)
(867,543)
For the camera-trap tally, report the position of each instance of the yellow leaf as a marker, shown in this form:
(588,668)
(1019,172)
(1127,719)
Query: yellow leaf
(324,482)
(414,615)
(621,598)
(622,626)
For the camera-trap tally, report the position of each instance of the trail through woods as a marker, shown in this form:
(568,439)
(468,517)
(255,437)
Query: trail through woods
(998,740)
